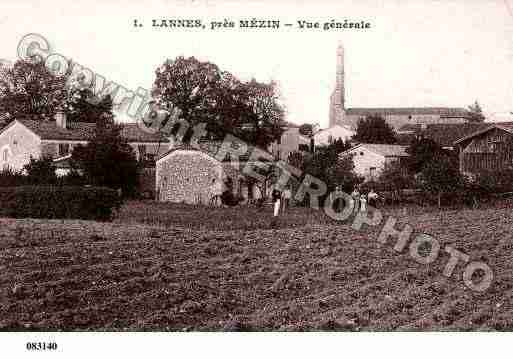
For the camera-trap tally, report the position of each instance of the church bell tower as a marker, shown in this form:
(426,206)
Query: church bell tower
(337,100)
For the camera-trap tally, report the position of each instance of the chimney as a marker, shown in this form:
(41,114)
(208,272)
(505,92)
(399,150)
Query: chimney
(60,118)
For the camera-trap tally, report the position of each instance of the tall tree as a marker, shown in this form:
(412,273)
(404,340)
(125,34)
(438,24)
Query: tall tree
(30,89)
(107,159)
(342,174)
(421,151)
(83,106)
(374,129)
(206,94)
(476,112)
(441,176)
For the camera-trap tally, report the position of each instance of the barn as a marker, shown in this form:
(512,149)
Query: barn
(489,149)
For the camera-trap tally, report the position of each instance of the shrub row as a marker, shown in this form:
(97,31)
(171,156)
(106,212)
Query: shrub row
(96,203)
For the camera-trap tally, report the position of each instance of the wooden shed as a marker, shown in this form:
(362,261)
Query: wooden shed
(489,149)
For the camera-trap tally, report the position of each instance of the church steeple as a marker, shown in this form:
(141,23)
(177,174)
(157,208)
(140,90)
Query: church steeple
(337,101)
(340,87)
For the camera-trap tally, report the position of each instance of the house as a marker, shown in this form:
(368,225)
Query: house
(488,149)
(290,141)
(187,174)
(23,139)
(370,159)
(329,135)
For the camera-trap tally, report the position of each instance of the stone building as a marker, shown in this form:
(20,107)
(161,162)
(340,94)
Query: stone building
(395,116)
(290,141)
(370,159)
(188,174)
(23,139)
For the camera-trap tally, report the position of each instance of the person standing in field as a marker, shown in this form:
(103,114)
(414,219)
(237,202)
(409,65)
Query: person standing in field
(338,201)
(276,198)
(287,196)
(363,203)
(216,190)
(356,199)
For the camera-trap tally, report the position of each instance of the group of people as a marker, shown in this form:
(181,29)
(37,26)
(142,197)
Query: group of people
(361,200)
(281,199)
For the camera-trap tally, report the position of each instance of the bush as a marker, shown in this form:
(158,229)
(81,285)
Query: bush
(95,203)
(11,178)
(40,171)
(494,181)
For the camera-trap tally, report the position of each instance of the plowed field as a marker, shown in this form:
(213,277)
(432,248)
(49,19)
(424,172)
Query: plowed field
(307,274)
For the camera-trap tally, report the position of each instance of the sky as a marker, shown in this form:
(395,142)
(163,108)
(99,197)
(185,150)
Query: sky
(416,52)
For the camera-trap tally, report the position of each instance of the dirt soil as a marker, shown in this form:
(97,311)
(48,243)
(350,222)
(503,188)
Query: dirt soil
(84,275)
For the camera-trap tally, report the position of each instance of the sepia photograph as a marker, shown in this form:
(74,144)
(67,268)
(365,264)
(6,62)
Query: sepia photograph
(310,173)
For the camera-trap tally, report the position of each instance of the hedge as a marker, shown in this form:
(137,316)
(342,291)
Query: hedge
(75,202)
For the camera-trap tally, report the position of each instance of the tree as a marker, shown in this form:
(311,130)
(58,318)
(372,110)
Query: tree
(374,129)
(40,171)
(342,174)
(306,129)
(108,160)
(205,94)
(422,151)
(394,178)
(440,176)
(83,106)
(476,112)
(340,145)
(28,89)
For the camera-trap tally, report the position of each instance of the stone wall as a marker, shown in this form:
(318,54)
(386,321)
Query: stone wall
(187,176)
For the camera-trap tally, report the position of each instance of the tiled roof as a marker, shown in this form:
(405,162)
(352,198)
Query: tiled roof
(387,150)
(384,150)
(133,133)
(83,131)
(446,134)
(410,127)
(506,126)
(48,130)
(442,111)
(211,148)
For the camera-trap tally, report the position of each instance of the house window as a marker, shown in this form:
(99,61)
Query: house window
(361,153)
(372,172)
(64,149)
(5,155)
(330,139)
(304,148)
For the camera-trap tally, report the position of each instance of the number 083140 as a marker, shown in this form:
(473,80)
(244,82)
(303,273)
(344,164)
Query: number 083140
(41,346)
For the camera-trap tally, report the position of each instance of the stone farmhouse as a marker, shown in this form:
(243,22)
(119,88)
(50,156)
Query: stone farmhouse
(187,174)
(22,139)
